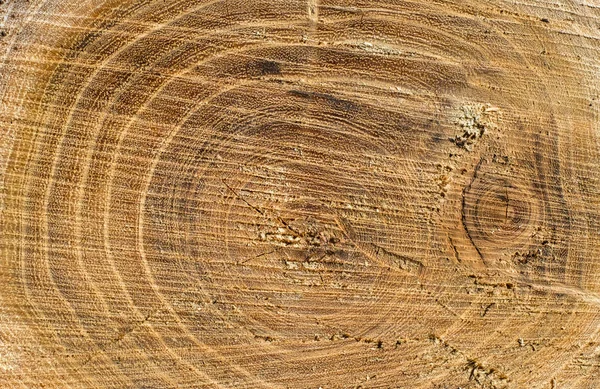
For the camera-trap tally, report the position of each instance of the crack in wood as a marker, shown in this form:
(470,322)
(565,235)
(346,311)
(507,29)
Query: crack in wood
(464,205)
(375,252)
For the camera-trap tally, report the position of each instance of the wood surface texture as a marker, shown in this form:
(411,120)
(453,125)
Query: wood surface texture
(300,194)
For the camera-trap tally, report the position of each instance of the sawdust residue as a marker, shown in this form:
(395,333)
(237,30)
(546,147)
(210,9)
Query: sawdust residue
(474,121)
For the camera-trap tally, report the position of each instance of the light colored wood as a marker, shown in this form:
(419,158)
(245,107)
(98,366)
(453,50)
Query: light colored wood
(299,194)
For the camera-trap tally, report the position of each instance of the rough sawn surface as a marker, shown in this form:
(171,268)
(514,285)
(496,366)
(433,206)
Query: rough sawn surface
(299,194)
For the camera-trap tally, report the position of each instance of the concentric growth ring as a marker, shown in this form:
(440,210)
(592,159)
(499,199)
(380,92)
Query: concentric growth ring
(261,193)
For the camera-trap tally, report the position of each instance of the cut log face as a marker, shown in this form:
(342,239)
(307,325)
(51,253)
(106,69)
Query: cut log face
(299,194)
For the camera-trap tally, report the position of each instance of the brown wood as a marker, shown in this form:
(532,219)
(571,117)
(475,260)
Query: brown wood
(299,194)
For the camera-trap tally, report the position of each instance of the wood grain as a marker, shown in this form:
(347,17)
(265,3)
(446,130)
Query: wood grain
(299,194)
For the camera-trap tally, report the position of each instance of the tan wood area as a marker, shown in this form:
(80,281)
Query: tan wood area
(300,194)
